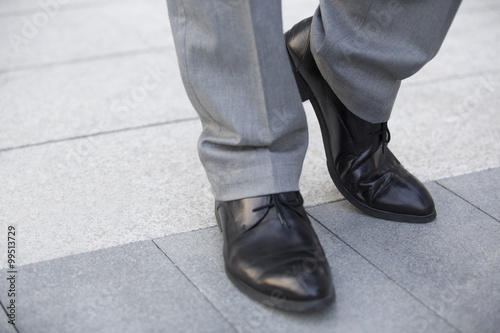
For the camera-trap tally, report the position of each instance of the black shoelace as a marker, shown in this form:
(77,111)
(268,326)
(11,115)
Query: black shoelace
(384,135)
(280,205)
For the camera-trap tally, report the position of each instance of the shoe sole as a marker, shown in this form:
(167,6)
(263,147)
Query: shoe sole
(276,302)
(281,303)
(307,94)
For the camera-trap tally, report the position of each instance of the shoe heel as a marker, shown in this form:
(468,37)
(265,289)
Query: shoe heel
(217,218)
(305,92)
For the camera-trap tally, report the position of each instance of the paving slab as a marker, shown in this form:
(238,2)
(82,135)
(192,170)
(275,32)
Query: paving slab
(90,28)
(448,128)
(132,288)
(148,21)
(471,6)
(73,35)
(5,327)
(470,48)
(22,7)
(8,6)
(481,189)
(451,265)
(74,99)
(130,186)
(459,115)
(66,101)
(134,185)
(296,11)
(367,301)
(96,192)
(82,195)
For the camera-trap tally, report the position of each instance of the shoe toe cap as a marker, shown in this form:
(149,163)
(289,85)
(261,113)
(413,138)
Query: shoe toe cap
(297,281)
(407,196)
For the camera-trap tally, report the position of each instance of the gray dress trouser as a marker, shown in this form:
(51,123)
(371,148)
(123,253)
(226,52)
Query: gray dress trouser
(238,77)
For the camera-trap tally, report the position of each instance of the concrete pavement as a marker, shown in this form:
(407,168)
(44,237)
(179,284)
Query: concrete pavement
(98,170)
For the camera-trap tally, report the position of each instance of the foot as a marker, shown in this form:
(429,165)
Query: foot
(359,162)
(272,253)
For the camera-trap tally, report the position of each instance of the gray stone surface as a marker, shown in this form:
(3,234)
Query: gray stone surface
(5,327)
(451,265)
(482,189)
(22,7)
(448,128)
(112,93)
(91,193)
(297,10)
(71,35)
(389,277)
(132,288)
(134,185)
(82,195)
(470,48)
(85,194)
(472,6)
(367,301)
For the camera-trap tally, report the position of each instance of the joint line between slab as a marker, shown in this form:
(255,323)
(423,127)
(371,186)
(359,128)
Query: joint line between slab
(385,274)
(198,289)
(126,129)
(470,203)
(7,317)
(84,60)
(325,203)
(476,11)
(487,72)
(66,7)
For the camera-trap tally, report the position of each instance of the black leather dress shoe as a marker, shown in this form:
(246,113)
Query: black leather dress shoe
(272,253)
(360,164)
